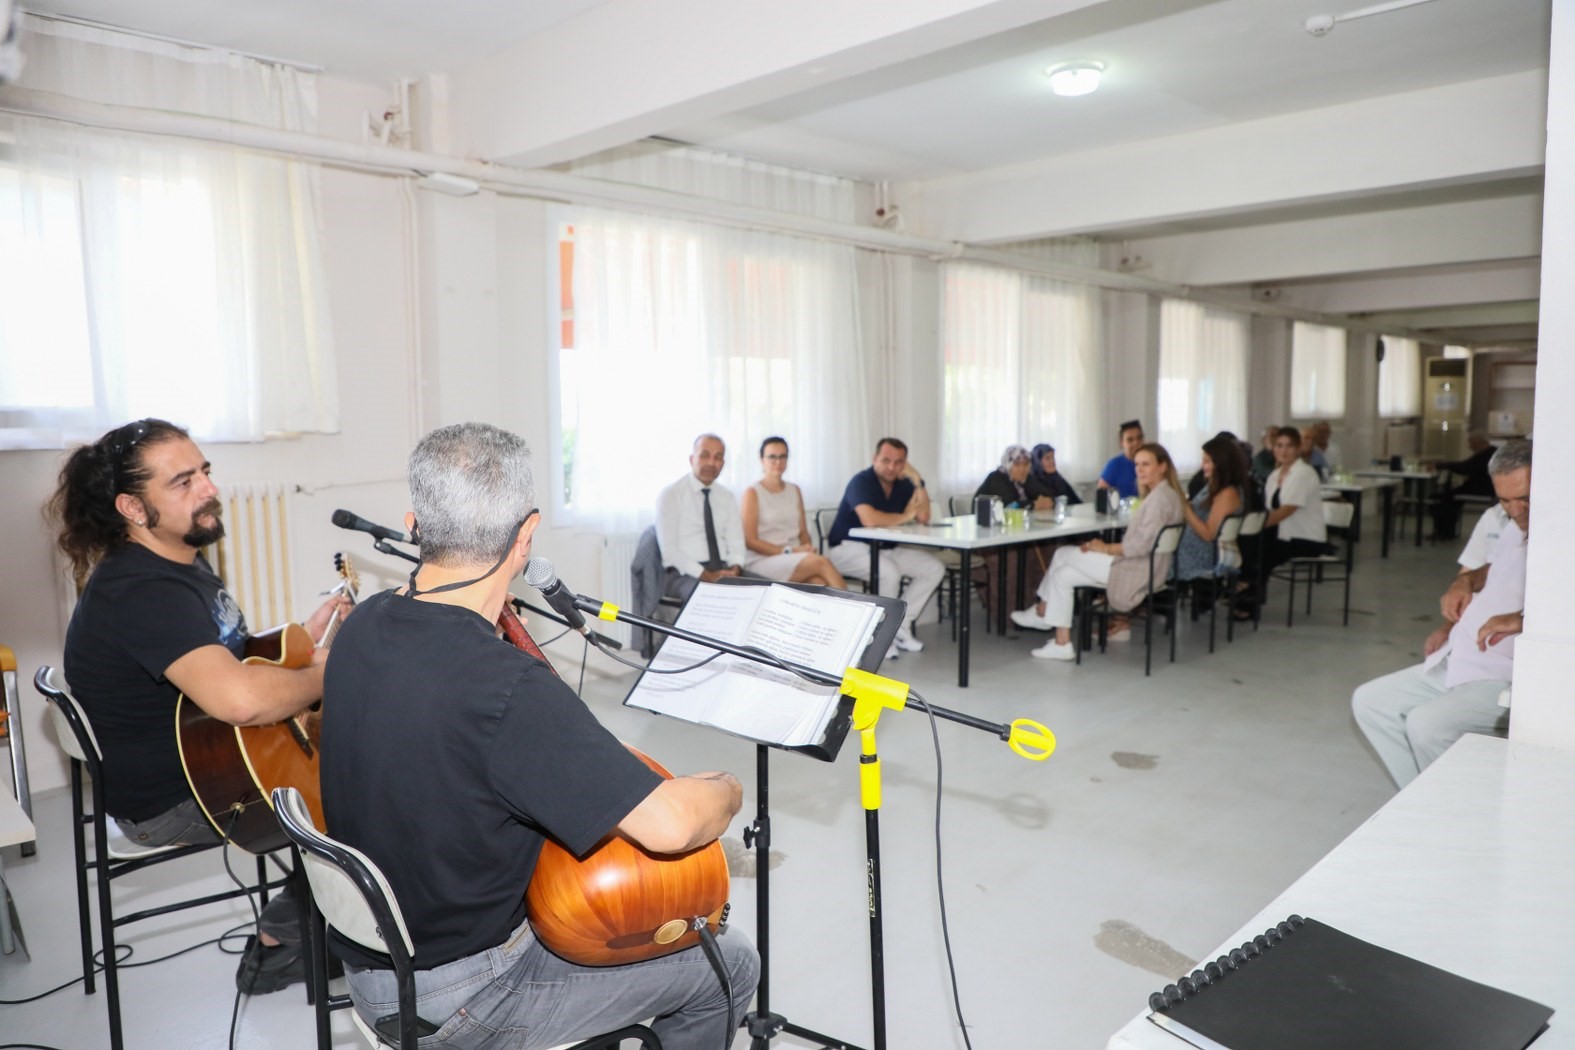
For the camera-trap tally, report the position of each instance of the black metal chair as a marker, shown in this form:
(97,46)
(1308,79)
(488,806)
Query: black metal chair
(824,517)
(1091,603)
(113,854)
(1337,516)
(352,895)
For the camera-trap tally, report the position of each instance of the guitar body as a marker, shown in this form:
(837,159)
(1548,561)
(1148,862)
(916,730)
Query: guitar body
(233,769)
(623,904)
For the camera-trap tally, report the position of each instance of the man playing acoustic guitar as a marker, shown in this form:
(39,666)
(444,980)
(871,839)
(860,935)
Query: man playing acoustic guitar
(449,755)
(153,622)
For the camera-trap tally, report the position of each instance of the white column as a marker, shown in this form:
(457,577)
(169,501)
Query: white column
(1544,711)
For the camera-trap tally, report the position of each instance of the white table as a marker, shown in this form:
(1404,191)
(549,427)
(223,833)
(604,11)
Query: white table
(965,535)
(1468,869)
(1359,486)
(15,829)
(1418,486)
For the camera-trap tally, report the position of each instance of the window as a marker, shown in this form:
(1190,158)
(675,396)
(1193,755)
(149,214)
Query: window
(151,276)
(1317,371)
(1021,367)
(680,328)
(1202,377)
(1400,378)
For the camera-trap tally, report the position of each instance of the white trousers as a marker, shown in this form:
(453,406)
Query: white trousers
(1071,568)
(1411,719)
(924,571)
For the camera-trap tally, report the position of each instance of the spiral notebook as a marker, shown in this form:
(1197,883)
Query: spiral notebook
(1305,986)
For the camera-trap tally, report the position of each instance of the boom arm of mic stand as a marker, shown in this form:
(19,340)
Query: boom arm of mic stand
(520,604)
(380,544)
(1029,739)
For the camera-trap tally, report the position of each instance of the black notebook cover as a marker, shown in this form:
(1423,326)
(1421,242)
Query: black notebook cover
(1307,986)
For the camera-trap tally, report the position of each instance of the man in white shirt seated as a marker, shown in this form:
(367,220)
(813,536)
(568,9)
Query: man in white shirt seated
(1413,716)
(698,526)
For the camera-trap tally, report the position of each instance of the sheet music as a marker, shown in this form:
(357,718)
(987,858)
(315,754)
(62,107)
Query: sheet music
(755,700)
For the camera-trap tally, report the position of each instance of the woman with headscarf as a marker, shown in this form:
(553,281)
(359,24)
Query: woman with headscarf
(1013,482)
(1044,471)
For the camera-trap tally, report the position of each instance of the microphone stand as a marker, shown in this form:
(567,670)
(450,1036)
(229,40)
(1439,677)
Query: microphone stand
(871,694)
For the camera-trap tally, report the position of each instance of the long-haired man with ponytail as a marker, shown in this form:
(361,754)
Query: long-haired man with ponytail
(133,511)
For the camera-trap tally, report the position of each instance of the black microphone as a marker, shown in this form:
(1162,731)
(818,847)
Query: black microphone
(345,520)
(540,574)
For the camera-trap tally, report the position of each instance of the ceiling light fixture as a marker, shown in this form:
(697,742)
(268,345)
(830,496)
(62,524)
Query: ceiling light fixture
(1322,25)
(1075,78)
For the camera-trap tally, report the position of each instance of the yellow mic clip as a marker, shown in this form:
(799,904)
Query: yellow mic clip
(1032,740)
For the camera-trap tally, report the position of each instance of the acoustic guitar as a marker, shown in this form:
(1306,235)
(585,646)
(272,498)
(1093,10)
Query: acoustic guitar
(620,903)
(233,770)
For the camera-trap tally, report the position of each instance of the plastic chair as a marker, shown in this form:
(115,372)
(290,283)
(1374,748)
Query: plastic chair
(353,896)
(113,854)
(1337,517)
(825,517)
(1229,534)
(1251,529)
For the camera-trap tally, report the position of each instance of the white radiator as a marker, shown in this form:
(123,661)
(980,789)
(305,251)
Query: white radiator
(253,559)
(617,556)
(1400,440)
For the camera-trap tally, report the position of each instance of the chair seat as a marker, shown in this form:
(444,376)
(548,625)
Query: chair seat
(119,847)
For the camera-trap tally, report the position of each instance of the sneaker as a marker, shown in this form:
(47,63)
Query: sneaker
(1053,650)
(1030,619)
(906,641)
(265,969)
(892,653)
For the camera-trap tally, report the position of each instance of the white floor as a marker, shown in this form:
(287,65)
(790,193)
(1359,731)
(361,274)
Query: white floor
(1174,808)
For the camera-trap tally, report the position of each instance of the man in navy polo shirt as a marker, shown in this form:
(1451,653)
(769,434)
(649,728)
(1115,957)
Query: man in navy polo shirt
(1120,473)
(888,493)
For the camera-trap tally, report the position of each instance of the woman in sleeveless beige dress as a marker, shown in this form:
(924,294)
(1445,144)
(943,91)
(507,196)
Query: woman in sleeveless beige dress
(774,527)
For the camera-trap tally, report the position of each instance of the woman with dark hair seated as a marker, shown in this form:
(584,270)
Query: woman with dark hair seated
(1043,470)
(1224,493)
(1293,496)
(775,530)
(1013,482)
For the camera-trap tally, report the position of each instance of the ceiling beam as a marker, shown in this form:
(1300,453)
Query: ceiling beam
(1476,131)
(1472,231)
(1515,280)
(1492,315)
(629,69)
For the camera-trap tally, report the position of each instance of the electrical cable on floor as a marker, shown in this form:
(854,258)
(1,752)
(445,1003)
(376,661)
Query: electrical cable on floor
(940,878)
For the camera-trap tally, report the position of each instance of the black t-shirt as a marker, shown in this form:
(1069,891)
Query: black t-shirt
(138,614)
(865,487)
(447,753)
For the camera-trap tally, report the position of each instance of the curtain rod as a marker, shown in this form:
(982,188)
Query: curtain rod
(542,184)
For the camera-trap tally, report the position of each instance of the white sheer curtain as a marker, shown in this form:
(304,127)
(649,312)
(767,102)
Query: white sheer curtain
(1400,378)
(1021,367)
(1317,370)
(682,328)
(157,276)
(1202,377)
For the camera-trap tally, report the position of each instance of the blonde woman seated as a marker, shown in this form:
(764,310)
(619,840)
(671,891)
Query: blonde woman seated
(774,527)
(1120,568)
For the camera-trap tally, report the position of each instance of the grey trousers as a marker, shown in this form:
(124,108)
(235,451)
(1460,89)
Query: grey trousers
(185,825)
(1411,719)
(521,996)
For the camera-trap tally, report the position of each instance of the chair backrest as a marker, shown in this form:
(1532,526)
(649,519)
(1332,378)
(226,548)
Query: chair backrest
(1169,539)
(349,889)
(1337,514)
(1252,524)
(959,505)
(72,727)
(824,517)
(1230,528)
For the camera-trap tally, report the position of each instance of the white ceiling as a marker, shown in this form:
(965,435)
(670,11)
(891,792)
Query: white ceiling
(963,109)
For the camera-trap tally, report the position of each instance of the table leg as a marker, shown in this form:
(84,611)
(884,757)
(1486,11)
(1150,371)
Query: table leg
(1022,590)
(1000,592)
(1419,501)
(1389,518)
(1356,515)
(962,620)
(874,568)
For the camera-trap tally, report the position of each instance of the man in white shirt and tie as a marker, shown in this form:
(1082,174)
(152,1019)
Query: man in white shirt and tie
(698,526)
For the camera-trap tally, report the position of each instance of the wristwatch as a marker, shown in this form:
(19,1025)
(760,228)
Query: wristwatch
(787,550)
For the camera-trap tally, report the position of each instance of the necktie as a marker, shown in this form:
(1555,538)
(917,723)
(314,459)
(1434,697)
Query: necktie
(712,549)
